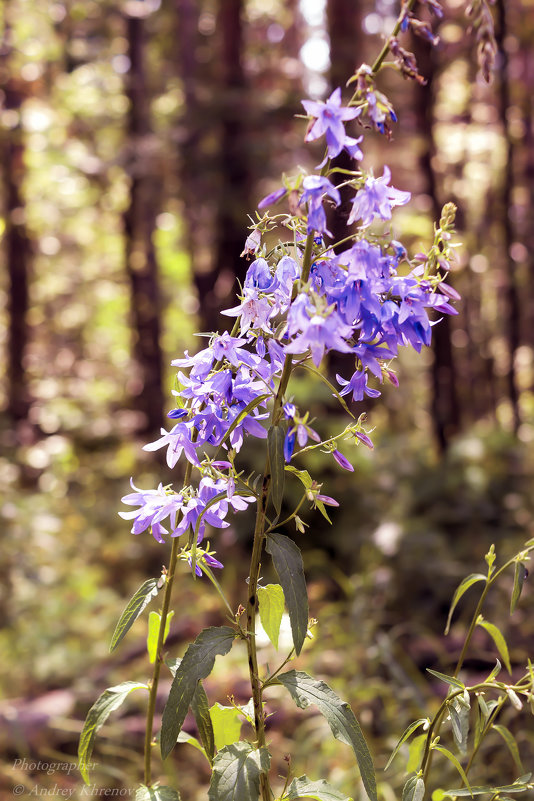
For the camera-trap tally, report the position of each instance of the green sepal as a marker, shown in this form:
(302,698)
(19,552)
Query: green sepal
(141,598)
(271,601)
(306,690)
(275,445)
(287,560)
(464,585)
(319,791)
(110,700)
(236,773)
(196,664)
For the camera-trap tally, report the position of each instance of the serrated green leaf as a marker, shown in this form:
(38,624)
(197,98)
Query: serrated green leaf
(305,691)
(236,773)
(447,679)
(196,664)
(156,794)
(271,600)
(141,598)
(287,560)
(200,709)
(275,445)
(154,620)
(520,575)
(319,790)
(110,700)
(414,789)
(511,744)
(464,585)
(450,756)
(226,721)
(499,641)
(407,733)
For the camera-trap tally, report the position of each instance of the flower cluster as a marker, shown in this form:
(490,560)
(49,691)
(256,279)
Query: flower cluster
(298,303)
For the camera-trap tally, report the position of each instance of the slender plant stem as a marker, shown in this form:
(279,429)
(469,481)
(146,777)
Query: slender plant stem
(159,656)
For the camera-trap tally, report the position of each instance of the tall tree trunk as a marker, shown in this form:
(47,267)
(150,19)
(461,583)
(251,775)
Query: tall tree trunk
(234,196)
(139,226)
(513,311)
(17,243)
(445,408)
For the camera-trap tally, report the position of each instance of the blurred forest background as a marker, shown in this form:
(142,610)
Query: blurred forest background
(136,137)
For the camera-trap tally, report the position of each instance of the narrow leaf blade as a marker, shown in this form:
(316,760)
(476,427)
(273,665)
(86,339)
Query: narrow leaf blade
(450,756)
(318,790)
(289,567)
(520,575)
(275,444)
(499,641)
(271,600)
(464,585)
(407,733)
(196,664)
(148,590)
(200,709)
(511,744)
(154,620)
(236,773)
(110,699)
(305,691)
(447,679)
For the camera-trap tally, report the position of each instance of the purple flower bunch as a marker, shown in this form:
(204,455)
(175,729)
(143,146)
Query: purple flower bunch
(299,302)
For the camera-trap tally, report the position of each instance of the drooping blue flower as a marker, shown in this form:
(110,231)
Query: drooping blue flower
(357,385)
(376,199)
(315,188)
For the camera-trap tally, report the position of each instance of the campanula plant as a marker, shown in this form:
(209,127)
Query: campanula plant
(307,298)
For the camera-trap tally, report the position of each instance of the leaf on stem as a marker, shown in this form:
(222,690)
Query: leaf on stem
(519,579)
(275,444)
(306,690)
(227,723)
(447,679)
(319,790)
(459,709)
(511,744)
(408,732)
(110,699)
(196,664)
(148,590)
(414,789)
(287,560)
(450,756)
(156,794)
(236,773)
(200,709)
(499,641)
(271,600)
(464,585)
(154,621)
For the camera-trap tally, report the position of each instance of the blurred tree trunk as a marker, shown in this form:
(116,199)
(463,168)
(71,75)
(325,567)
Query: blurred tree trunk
(445,408)
(234,193)
(17,243)
(139,226)
(513,311)
(344,19)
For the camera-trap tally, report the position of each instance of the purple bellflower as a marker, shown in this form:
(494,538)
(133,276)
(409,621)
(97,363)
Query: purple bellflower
(328,121)
(376,199)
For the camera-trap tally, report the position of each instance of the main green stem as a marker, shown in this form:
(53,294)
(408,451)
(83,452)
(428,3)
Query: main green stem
(159,655)
(255,561)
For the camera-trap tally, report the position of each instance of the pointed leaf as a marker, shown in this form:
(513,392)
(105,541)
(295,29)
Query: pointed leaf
(408,732)
(156,794)
(305,691)
(464,585)
(138,602)
(185,737)
(275,444)
(519,579)
(287,560)
(271,600)
(415,752)
(320,790)
(236,773)
(196,664)
(227,723)
(200,709)
(414,789)
(459,712)
(450,756)
(511,743)
(447,679)
(154,620)
(110,699)
(499,641)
